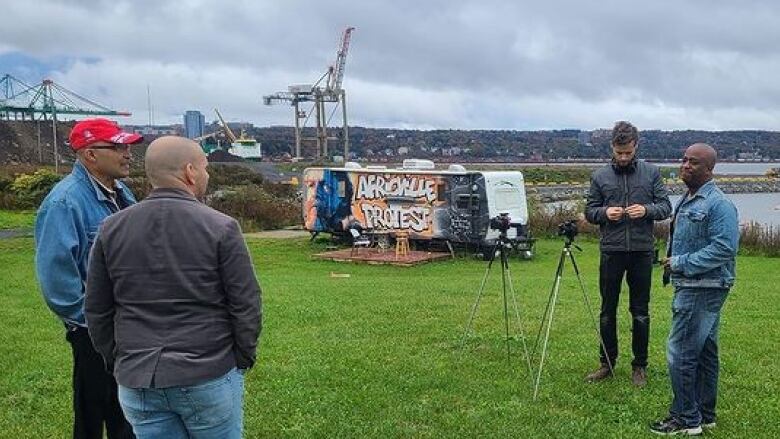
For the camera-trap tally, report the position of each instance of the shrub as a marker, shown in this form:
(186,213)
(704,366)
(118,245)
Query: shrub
(544,219)
(255,208)
(222,176)
(762,239)
(5,183)
(139,185)
(30,189)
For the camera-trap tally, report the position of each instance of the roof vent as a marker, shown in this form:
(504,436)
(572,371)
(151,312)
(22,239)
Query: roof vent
(418,164)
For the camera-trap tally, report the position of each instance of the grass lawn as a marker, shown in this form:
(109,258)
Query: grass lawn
(376,354)
(17,219)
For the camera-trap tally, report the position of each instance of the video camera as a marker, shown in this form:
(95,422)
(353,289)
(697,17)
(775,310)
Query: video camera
(503,222)
(568,229)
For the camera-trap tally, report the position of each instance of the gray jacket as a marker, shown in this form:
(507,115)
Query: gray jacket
(172,298)
(640,184)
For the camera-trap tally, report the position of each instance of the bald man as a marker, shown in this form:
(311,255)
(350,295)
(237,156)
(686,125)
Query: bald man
(700,260)
(173,303)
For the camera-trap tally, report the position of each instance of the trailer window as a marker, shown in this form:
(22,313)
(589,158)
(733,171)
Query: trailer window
(508,199)
(342,188)
(463,201)
(441,191)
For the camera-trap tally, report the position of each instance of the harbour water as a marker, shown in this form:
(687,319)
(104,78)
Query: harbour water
(761,208)
(723,168)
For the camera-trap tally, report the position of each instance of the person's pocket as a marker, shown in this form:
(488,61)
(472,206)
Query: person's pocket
(133,402)
(211,402)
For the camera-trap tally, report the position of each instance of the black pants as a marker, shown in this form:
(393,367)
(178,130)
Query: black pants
(95,400)
(638,267)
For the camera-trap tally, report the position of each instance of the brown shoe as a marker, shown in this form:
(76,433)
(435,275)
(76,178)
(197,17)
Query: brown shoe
(599,374)
(639,376)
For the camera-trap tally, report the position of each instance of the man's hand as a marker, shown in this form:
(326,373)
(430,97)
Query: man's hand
(614,213)
(666,263)
(636,211)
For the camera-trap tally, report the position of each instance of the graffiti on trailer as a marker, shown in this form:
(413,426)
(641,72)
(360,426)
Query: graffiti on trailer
(396,201)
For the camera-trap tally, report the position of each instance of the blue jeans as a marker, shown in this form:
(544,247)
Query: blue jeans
(692,353)
(208,410)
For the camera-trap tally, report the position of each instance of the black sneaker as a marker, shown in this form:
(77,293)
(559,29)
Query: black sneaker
(671,426)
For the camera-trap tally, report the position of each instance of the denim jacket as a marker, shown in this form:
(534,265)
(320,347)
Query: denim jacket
(65,228)
(705,240)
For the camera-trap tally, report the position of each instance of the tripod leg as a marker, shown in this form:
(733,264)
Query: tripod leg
(558,275)
(590,311)
(519,321)
(476,302)
(504,264)
(551,306)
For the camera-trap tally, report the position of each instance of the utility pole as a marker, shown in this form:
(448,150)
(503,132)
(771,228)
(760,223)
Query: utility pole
(297,131)
(40,151)
(346,127)
(54,142)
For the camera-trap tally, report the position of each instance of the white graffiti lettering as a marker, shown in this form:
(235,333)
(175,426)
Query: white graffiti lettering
(374,186)
(416,218)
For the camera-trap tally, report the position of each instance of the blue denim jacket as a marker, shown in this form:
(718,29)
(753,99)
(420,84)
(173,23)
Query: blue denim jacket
(705,241)
(65,228)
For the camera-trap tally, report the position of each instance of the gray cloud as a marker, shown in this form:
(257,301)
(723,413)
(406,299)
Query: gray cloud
(426,64)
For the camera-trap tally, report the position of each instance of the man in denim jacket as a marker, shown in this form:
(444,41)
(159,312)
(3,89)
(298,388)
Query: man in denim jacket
(702,249)
(65,228)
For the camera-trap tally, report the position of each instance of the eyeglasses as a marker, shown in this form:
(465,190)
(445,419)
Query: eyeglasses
(118,147)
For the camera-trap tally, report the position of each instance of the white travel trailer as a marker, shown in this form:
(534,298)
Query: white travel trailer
(454,205)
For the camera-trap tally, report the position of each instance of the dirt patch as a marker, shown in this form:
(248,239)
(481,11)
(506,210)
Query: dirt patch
(279,234)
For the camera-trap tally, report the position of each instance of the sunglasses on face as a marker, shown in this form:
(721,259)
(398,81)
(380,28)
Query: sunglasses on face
(118,147)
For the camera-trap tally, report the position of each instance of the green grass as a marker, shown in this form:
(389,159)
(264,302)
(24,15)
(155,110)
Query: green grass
(376,354)
(16,219)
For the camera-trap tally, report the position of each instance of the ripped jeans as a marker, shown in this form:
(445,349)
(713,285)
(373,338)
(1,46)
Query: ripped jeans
(638,268)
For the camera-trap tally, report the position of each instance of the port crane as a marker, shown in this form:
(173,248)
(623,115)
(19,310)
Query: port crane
(327,89)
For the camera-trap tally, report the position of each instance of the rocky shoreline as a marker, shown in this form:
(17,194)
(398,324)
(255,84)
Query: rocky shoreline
(578,191)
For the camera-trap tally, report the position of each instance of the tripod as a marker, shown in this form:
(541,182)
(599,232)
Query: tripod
(550,309)
(502,247)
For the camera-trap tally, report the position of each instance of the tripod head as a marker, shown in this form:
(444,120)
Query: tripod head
(503,223)
(568,229)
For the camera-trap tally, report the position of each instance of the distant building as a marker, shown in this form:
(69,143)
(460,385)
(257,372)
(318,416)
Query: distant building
(156,131)
(194,122)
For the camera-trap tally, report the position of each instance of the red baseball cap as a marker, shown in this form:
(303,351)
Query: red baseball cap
(90,131)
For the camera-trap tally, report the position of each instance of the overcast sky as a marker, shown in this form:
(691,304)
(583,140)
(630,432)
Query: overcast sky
(424,64)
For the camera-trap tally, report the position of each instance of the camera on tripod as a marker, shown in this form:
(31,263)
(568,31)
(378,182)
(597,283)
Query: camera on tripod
(568,229)
(503,222)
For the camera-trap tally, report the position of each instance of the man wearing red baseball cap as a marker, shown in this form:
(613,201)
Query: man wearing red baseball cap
(65,228)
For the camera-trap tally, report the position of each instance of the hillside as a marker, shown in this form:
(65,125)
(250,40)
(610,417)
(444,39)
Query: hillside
(19,143)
